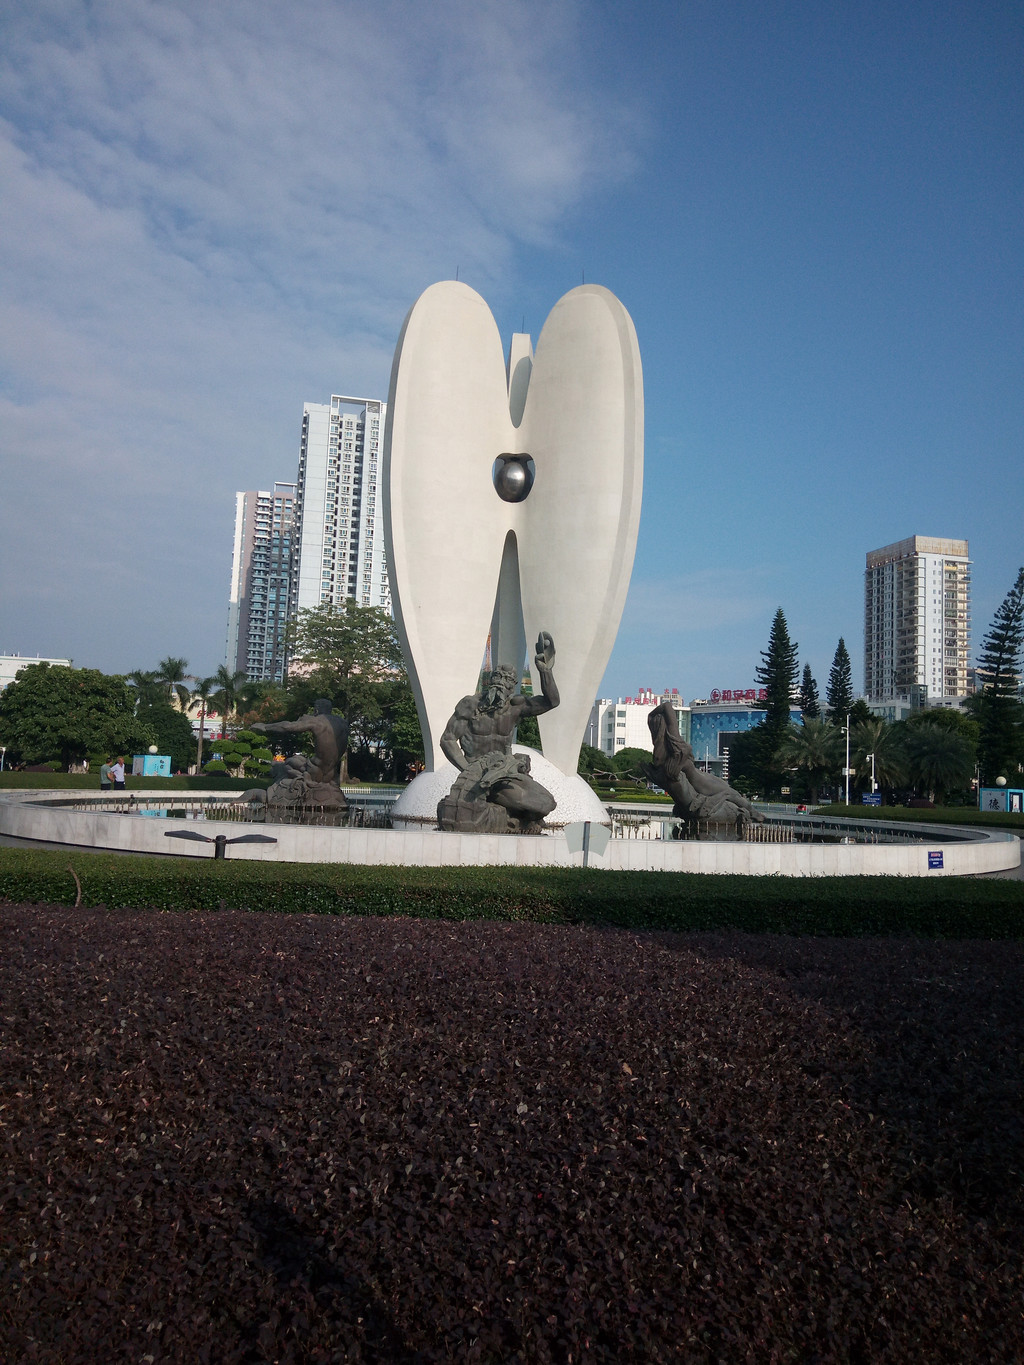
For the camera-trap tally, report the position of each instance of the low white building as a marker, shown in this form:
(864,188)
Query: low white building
(11,665)
(622,724)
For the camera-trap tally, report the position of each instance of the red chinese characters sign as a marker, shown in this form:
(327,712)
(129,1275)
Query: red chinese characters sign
(739,694)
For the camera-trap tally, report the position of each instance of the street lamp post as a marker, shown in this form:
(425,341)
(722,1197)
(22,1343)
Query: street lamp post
(874,784)
(846,770)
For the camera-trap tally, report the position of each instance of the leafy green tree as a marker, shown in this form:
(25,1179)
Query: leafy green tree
(814,748)
(753,765)
(388,744)
(998,709)
(632,760)
(839,691)
(350,654)
(351,645)
(261,701)
(52,712)
(592,761)
(404,737)
(810,705)
(173,676)
(946,718)
(874,736)
(937,759)
(172,732)
(528,733)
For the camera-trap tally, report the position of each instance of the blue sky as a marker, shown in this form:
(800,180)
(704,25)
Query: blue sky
(211,213)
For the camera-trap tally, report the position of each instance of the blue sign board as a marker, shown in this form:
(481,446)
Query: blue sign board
(151,765)
(871,799)
(935,859)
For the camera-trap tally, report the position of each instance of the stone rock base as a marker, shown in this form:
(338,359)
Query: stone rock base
(418,805)
(473,817)
(290,793)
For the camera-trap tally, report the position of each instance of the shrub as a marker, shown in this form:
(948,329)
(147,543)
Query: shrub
(284,1139)
(944,908)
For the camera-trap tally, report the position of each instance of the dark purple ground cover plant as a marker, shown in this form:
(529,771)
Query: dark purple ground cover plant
(247,1138)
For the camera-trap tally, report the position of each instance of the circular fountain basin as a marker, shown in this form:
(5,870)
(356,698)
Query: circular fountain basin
(97,822)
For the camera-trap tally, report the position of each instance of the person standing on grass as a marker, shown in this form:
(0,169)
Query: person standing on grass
(118,775)
(106,775)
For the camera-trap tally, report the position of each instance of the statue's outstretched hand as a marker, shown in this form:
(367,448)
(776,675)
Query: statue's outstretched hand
(545,655)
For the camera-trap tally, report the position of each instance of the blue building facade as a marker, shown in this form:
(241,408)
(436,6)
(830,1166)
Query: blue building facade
(712,727)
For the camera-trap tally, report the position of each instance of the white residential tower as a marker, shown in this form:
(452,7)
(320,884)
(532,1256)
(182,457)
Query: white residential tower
(917,621)
(339,541)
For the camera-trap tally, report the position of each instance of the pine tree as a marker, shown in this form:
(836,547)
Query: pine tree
(809,703)
(998,710)
(777,674)
(839,693)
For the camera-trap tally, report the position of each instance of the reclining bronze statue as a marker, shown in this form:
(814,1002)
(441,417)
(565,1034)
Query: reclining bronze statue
(696,795)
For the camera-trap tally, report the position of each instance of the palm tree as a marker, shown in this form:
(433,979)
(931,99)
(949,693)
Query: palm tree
(875,737)
(813,746)
(202,692)
(148,687)
(938,759)
(171,673)
(228,687)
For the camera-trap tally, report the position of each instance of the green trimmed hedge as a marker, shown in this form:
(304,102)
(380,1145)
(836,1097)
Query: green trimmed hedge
(91,782)
(937,815)
(947,907)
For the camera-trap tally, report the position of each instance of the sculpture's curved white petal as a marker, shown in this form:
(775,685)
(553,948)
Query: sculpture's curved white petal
(447,421)
(583,426)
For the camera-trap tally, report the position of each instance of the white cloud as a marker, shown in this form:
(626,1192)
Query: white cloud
(215,211)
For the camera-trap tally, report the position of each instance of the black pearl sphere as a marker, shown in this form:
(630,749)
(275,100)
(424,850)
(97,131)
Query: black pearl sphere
(513,478)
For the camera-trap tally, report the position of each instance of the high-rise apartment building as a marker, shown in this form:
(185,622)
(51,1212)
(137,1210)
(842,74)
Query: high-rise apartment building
(339,544)
(261,568)
(917,620)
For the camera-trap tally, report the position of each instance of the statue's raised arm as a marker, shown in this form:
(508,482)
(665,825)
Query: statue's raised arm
(544,662)
(284,727)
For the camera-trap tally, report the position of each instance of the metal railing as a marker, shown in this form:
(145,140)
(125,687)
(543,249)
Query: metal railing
(371,813)
(372,810)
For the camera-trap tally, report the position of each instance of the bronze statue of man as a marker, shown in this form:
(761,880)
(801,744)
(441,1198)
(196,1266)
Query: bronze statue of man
(317,783)
(495,790)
